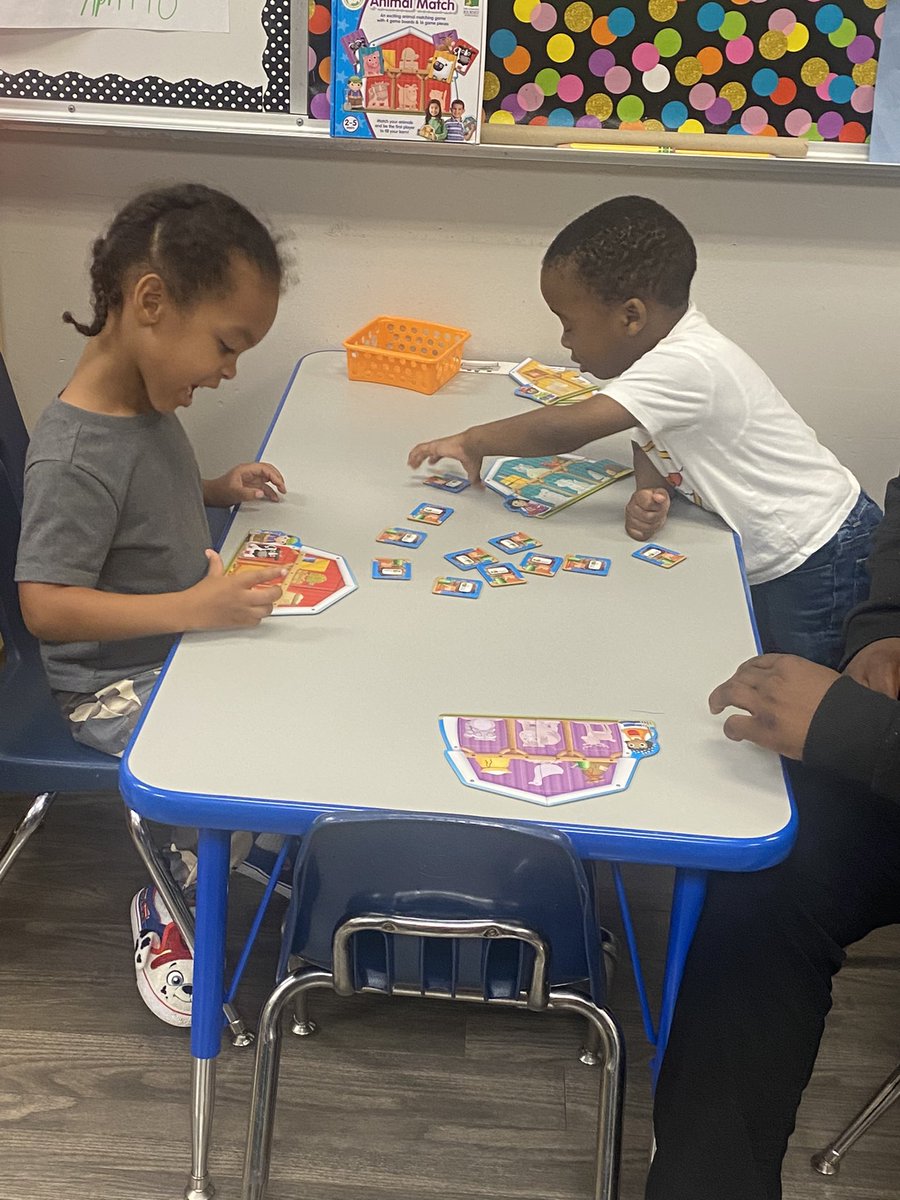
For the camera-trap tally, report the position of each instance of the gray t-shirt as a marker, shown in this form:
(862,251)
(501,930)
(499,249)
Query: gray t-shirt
(116,504)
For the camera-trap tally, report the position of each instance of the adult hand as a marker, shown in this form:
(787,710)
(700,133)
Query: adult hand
(235,601)
(457,446)
(780,693)
(247,481)
(877,666)
(646,512)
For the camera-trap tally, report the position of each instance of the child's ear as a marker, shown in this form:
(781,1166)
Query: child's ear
(149,296)
(634,316)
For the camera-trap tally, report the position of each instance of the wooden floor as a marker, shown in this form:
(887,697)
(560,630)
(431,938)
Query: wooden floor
(391,1100)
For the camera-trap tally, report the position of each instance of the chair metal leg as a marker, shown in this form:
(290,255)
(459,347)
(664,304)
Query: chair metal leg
(828,1160)
(302,1024)
(146,848)
(265,1078)
(612,1088)
(15,843)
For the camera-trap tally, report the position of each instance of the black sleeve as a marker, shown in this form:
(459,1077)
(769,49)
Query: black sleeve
(879,617)
(855,733)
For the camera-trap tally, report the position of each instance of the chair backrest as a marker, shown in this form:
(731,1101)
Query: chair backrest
(17,641)
(13,435)
(443,868)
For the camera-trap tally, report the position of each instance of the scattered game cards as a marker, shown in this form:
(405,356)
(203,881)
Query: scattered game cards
(391,568)
(659,556)
(446,483)
(583,564)
(515,543)
(430,514)
(460,589)
(408,538)
(540,564)
(501,574)
(466,560)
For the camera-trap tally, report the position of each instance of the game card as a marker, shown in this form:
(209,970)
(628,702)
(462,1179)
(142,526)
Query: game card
(501,574)
(410,539)
(446,483)
(460,589)
(659,556)
(430,514)
(473,557)
(391,568)
(541,564)
(584,564)
(515,543)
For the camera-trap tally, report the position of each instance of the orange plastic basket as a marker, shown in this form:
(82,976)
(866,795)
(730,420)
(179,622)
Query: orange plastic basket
(405,352)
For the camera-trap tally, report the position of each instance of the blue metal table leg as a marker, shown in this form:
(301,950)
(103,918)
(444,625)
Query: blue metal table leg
(688,893)
(209,983)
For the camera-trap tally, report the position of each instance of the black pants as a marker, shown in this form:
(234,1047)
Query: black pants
(756,990)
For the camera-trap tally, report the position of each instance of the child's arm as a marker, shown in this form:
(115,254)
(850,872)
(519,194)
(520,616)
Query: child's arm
(56,612)
(551,430)
(646,511)
(247,481)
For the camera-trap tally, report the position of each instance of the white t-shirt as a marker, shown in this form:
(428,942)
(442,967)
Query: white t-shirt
(714,424)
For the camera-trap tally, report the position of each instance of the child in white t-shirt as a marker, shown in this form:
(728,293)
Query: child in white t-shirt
(710,425)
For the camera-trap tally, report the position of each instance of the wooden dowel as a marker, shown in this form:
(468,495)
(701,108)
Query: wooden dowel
(558,135)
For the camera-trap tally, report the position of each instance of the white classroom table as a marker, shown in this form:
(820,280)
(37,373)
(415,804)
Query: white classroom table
(265,729)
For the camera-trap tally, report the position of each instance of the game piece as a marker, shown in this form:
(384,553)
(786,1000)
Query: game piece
(540,564)
(546,760)
(473,557)
(391,568)
(313,579)
(585,564)
(659,556)
(410,539)
(446,483)
(501,574)
(515,543)
(460,589)
(551,385)
(430,514)
(537,487)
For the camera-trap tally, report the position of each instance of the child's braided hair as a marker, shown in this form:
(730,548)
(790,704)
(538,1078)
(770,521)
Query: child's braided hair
(186,234)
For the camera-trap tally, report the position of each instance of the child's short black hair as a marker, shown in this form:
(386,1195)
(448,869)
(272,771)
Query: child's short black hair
(187,234)
(630,246)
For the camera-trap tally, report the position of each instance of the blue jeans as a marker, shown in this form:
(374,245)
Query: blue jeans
(803,612)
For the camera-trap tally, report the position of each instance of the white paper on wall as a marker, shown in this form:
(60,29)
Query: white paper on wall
(197,16)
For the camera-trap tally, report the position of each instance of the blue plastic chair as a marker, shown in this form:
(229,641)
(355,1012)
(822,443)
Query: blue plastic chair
(441,907)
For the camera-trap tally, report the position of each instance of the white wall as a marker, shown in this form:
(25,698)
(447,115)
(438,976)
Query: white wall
(804,274)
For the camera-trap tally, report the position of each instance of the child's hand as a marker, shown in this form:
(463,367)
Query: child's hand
(646,512)
(247,481)
(458,447)
(236,601)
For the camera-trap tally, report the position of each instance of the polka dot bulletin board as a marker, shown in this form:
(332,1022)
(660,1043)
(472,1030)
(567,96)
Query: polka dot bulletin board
(319,94)
(230,95)
(803,69)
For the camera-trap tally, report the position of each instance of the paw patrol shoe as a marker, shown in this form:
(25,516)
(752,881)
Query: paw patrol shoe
(164,966)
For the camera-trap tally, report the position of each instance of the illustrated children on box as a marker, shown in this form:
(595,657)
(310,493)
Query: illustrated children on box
(408,73)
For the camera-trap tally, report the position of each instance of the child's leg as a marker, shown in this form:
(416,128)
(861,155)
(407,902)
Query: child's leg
(803,612)
(105,721)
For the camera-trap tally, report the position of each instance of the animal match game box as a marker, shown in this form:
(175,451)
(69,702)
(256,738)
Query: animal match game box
(408,69)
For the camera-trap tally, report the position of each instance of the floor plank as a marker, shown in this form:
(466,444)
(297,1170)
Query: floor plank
(398,1100)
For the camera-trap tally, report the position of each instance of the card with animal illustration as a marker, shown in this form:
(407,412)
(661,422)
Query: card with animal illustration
(313,580)
(538,487)
(546,760)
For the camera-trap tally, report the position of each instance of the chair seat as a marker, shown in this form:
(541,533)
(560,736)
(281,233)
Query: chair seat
(37,751)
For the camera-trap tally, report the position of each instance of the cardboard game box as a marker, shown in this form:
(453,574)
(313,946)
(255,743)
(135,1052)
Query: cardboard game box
(408,69)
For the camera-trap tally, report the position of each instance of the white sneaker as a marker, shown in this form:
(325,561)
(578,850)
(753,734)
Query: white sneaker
(164,965)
